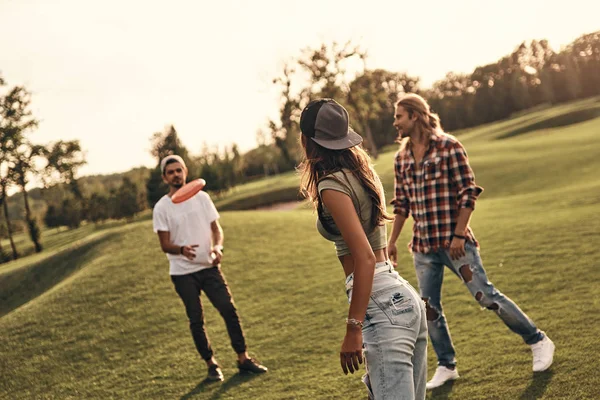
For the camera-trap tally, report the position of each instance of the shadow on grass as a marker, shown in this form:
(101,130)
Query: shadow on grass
(233,381)
(502,126)
(442,392)
(30,281)
(263,199)
(566,119)
(537,386)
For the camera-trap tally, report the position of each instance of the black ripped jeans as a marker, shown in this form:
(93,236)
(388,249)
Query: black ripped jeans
(213,283)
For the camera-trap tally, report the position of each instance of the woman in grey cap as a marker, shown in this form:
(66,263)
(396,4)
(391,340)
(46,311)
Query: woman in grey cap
(386,318)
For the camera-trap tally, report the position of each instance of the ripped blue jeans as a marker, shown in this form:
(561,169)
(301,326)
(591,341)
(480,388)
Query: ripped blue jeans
(469,268)
(394,337)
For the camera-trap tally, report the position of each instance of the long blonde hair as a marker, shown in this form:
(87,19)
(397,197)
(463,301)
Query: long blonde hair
(427,121)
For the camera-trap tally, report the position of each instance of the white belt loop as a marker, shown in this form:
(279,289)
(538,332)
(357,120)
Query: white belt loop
(380,267)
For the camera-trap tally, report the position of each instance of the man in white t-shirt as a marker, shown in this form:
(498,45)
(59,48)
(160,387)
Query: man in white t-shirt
(192,238)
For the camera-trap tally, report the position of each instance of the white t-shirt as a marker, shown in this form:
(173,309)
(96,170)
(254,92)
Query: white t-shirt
(188,223)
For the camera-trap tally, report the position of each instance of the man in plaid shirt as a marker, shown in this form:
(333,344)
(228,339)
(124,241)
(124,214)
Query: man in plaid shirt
(436,185)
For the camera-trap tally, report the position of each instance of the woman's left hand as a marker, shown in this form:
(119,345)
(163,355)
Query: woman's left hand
(351,354)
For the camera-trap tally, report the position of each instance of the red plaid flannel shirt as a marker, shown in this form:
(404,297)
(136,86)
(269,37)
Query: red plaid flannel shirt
(434,191)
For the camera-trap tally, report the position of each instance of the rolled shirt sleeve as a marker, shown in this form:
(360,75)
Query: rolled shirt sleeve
(463,177)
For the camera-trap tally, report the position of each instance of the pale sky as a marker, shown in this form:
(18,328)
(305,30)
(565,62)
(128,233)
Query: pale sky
(110,73)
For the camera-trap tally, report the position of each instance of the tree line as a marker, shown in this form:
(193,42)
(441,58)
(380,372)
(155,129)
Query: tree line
(54,166)
(532,75)
(22,161)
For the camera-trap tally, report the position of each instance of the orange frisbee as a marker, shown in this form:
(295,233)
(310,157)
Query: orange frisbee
(188,190)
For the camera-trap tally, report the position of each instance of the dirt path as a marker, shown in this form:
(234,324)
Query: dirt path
(285,206)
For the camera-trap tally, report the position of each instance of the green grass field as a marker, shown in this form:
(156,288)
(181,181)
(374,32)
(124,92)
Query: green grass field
(99,319)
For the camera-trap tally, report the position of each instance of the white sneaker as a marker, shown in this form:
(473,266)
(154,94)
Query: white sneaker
(441,376)
(543,354)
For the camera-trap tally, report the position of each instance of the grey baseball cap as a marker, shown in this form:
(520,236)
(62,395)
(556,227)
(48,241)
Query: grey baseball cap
(326,122)
(163,162)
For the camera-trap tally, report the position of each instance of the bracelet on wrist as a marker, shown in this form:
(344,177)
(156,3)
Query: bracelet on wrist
(459,236)
(354,322)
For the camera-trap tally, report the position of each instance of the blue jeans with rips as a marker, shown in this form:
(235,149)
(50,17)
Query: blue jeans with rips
(469,268)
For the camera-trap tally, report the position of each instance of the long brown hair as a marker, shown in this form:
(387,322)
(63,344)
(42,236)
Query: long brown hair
(318,162)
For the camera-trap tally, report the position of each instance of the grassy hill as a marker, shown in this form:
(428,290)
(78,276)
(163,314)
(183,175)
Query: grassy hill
(40,198)
(97,316)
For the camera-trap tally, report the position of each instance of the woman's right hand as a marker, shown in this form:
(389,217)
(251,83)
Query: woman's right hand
(351,354)
(393,253)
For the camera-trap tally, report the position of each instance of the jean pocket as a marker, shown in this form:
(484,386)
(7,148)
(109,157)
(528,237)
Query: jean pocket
(398,304)
(367,381)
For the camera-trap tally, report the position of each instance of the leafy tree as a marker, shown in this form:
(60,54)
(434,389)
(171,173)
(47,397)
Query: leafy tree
(24,166)
(15,121)
(9,228)
(127,199)
(52,219)
(63,159)
(98,208)
(371,97)
(155,187)
(163,144)
(167,142)
(585,55)
(339,72)
(4,256)
(328,67)
(71,213)
(286,131)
